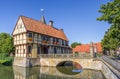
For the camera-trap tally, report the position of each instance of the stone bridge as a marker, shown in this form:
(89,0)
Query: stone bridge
(84,60)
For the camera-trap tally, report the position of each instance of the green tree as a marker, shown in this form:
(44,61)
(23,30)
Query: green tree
(6,43)
(74,44)
(111,14)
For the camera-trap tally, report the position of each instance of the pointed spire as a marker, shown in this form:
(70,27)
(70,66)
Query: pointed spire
(43,20)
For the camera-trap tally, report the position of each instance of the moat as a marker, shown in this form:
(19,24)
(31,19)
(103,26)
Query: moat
(48,73)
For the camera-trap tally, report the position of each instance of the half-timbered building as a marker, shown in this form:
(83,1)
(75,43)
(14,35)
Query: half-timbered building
(34,37)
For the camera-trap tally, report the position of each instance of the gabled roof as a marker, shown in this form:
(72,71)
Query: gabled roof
(86,47)
(42,28)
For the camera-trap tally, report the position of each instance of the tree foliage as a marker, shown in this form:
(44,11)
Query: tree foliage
(74,44)
(111,14)
(6,43)
(111,39)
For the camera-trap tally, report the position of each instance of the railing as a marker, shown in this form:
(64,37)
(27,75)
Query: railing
(64,56)
(114,63)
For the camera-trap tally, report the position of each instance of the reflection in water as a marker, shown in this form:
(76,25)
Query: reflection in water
(46,73)
(69,66)
(26,73)
(6,72)
(67,70)
(59,73)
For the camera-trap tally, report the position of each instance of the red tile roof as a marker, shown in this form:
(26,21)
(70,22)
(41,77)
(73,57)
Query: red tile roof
(99,47)
(86,48)
(82,48)
(39,27)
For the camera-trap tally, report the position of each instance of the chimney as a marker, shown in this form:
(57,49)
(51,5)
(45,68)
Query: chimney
(51,23)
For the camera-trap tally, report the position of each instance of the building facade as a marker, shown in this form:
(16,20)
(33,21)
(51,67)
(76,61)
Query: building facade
(33,37)
(88,48)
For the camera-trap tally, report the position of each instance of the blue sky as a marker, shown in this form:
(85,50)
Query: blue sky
(76,17)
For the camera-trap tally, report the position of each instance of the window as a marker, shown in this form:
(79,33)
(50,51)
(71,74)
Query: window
(62,50)
(47,38)
(17,50)
(29,49)
(66,43)
(43,37)
(30,35)
(23,50)
(57,39)
(38,50)
(53,39)
(55,50)
(62,42)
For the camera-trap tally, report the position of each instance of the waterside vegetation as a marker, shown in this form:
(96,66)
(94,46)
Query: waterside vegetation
(6,49)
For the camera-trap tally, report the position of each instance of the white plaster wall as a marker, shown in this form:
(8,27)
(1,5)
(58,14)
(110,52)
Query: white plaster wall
(19,28)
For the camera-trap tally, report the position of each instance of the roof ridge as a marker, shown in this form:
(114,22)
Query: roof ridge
(40,22)
(37,26)
(29,18)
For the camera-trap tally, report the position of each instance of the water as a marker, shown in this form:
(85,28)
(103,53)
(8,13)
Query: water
(47,73)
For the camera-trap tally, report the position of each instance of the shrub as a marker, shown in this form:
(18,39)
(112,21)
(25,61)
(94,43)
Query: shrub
(98,54)
(6,60)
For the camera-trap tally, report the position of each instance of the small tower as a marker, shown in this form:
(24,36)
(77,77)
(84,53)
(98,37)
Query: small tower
(43,18)
(91,49)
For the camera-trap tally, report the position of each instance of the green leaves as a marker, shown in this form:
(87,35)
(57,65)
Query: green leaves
(6,43)
(73,45)
(111,39)
(111,14)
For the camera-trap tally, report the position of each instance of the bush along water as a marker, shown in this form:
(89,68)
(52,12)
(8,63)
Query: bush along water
(6,60)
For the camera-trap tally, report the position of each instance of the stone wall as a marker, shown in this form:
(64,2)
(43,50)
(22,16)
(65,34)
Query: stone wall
(107,71)
(34,61)
(23,62)
(85,63)
(26,62)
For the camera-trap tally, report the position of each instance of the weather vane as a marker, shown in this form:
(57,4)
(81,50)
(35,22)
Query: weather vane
(42,10)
